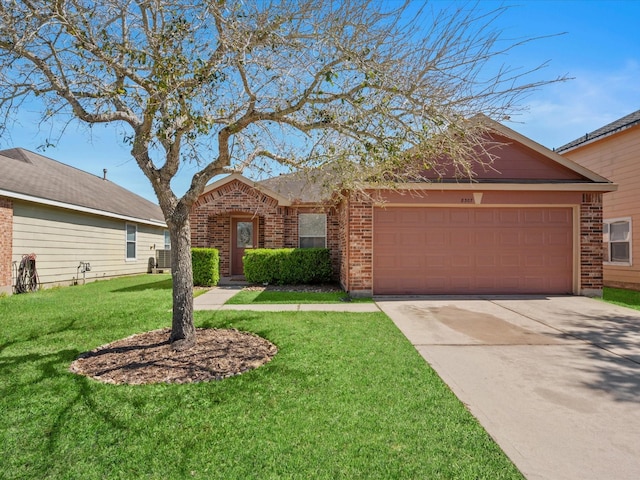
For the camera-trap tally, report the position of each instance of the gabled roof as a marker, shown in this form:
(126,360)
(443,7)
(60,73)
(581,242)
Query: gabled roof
(623,123)
(287,189)
(309,188)
(282,200)
(550,154)
(29,176)
(298,187)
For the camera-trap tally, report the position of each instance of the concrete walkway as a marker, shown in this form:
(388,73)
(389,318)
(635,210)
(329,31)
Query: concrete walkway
(554,380)
(215,299)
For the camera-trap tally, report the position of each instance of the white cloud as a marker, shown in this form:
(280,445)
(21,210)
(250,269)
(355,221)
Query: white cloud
(560,113)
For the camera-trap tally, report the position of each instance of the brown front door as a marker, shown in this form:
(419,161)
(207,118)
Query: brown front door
(244,234)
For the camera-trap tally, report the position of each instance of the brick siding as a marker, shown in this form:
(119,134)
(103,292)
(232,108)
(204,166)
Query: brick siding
(6,240)
(349,232)
(355,221)
(277,225)
(356,244)
(591,247)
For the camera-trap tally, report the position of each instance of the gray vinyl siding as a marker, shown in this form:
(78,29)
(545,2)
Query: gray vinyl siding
(62,238)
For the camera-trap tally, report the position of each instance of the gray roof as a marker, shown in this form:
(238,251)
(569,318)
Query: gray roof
(27,173)
(302,187)
(613,127)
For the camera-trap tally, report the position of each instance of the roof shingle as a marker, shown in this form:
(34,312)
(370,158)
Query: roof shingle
(620,124)
(28,173)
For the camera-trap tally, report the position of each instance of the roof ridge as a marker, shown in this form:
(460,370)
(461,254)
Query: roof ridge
(16,154)
(24,154)
(612,127)
(51,180)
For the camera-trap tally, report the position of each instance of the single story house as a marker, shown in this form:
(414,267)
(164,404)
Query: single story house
(70,218)
(530,224)
(614,151)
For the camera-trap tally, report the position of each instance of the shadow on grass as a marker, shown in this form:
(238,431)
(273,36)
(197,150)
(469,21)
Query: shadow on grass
(152,285)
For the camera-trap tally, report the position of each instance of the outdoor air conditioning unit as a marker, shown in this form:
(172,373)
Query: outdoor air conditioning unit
(163,258)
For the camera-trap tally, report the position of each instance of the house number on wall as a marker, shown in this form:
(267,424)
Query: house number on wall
(466,200)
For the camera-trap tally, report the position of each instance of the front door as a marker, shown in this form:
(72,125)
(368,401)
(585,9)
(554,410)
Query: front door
(244,234)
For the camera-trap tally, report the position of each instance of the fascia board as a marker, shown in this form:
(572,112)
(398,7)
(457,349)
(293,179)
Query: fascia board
(79,208)
(529,187)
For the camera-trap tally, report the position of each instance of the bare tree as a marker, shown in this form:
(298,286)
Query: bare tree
(229,85)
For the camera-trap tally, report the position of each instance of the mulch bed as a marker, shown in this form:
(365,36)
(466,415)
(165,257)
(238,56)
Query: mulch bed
(148,358)
(295,288)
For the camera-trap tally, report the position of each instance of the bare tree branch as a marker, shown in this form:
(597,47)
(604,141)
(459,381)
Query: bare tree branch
(367,90)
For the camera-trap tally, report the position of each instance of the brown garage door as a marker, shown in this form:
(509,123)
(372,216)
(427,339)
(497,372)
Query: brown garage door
(472,250)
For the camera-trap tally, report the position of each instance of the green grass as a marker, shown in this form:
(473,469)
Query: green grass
(346,397)
(246,297)
(619,296)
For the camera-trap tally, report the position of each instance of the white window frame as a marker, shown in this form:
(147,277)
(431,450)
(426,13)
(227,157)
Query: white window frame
(302,235)
(167,240)
(606,226)
(127,242)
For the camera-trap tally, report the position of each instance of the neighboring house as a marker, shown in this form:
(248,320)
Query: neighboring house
(531,224)
(66,216)
(614,152)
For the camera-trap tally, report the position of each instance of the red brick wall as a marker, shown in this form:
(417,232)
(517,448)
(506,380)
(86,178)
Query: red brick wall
(278,225)
(591,248)
(355,242)
(6,240)
(355,220)
(343,243)
(349,232)
(211,219)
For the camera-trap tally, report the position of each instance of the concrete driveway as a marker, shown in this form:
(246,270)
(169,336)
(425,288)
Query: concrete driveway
(554,380)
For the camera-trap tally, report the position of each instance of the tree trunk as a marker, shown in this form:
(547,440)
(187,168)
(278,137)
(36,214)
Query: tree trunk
(183,332)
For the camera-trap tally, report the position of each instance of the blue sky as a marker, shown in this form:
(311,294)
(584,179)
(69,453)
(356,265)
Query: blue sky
(600,48)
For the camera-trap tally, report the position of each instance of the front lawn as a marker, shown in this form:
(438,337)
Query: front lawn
(247,297)
(347,397)
(619,296)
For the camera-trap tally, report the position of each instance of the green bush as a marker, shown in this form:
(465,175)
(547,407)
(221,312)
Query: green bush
(206,266)
(287,266)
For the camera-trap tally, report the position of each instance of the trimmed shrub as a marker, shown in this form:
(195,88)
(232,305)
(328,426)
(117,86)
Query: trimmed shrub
(206,266)
(287,266)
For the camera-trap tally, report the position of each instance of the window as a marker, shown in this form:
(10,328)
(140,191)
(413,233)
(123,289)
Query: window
(617,241)
(244,235)
(132,232)
(167,240)
(312,230)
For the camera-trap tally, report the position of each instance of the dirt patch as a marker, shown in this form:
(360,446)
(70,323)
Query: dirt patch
(148,358)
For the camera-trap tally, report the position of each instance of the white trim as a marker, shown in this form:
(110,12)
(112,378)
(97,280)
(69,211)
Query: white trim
(78,208)
(127,258)
(609,221)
